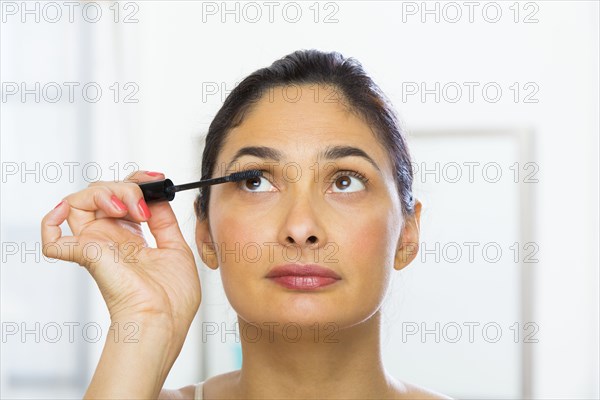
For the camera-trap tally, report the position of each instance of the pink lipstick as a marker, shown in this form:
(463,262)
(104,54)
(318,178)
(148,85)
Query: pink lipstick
(303,277)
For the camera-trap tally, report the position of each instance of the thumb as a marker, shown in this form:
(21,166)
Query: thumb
(162,222)
(164,227)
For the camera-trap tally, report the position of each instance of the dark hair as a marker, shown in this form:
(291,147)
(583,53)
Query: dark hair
(347,76)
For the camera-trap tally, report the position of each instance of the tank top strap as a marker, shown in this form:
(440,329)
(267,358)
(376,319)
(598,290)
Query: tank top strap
(198,392)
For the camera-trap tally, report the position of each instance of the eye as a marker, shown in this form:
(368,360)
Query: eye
(349,181)
(256,184)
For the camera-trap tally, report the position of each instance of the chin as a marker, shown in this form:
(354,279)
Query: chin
(329,320)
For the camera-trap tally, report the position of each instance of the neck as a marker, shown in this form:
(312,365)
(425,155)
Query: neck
(313,363)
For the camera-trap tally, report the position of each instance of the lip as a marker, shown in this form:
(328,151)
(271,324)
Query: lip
(303,277)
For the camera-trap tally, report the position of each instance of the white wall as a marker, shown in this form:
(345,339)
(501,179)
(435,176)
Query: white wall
(172,53)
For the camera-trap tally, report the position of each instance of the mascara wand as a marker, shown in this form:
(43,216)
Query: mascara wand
(165,189)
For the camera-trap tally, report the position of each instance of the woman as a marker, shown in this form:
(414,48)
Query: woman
(305,252)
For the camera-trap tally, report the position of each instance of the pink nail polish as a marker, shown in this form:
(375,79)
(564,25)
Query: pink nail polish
(144,208)
(118,203)
(58,205)
(152,173)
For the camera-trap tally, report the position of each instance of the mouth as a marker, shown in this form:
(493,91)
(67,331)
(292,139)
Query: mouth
(303,277)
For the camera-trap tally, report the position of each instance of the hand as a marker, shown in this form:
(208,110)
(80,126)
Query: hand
(137,282)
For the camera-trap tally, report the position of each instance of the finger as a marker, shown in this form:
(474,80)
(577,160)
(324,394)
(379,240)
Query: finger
(161,218)
(53,244)
(131,195)
(110,199)
(165,228)
(66,248)
(163,223)
(85,204)
(143,176)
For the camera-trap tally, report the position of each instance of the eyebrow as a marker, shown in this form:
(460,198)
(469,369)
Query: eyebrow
(330,153)
(335,152)
(256,151)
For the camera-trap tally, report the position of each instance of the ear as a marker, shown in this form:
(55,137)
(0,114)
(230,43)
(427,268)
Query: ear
(206,247)
(408,245)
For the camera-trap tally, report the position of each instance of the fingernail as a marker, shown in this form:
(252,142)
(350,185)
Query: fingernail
(152,173)
(144,208)
(119,205)
(58,205)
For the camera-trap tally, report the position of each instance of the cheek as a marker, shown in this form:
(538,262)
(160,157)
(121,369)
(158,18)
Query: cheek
(370,237)
(237,246)
(237,241)
(369,248)
(235,231)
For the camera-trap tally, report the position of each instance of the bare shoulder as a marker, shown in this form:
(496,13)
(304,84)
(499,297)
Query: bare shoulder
(413,391)
(186,392)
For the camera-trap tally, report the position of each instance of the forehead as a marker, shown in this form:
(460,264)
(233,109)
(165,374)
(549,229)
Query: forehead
(301,121)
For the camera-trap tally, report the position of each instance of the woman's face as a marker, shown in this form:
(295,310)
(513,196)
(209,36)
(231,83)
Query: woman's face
(308,208)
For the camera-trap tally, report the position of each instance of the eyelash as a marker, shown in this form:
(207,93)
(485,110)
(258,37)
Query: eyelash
(339,174)
(239,184)
(353,173)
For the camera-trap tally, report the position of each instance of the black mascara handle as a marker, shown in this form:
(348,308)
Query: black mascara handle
(157,190)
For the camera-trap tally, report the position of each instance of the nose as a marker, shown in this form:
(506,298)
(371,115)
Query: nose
(311,240)
(302,225)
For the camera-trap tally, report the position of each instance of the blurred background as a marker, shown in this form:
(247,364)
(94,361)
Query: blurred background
(500,102)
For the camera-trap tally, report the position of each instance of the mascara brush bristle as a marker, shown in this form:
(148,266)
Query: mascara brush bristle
(240,176)
(237,176)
